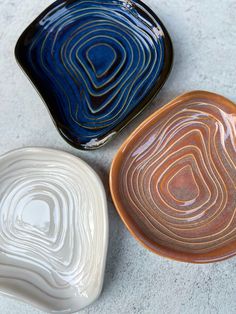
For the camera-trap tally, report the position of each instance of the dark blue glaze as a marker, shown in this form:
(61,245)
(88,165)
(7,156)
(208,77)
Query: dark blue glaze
(96,64)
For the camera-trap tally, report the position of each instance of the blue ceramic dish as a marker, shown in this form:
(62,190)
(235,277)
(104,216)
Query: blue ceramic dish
(96,64)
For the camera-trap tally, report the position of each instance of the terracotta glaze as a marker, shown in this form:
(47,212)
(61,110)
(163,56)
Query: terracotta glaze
(173,181)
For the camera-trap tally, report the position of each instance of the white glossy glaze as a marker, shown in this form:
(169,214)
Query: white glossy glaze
(53,229)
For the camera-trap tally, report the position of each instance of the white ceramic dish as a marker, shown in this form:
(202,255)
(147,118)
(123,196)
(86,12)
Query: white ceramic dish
(53,229)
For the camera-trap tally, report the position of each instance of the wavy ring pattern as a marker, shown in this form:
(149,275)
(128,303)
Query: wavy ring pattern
(94,62)
(53,234)
(178,178)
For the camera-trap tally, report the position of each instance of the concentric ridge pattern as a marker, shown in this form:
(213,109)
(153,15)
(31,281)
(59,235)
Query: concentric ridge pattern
(96,64)
(53,229)
(174,179)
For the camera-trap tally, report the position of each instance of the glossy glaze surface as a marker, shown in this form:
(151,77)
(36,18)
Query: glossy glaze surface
(53,229)
(96,64)
(174,180)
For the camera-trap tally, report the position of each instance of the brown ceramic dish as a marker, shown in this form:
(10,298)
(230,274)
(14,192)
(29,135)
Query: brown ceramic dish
(173,181)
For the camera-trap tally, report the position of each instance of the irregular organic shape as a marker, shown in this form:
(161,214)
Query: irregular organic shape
(174,179)
(53,229)
(96,63)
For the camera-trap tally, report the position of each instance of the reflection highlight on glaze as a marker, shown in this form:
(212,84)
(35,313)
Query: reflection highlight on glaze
(53,235)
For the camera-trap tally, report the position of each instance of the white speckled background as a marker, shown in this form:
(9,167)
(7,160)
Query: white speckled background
(136,281)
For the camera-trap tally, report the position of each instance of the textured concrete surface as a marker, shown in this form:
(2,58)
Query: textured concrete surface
(136,281)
